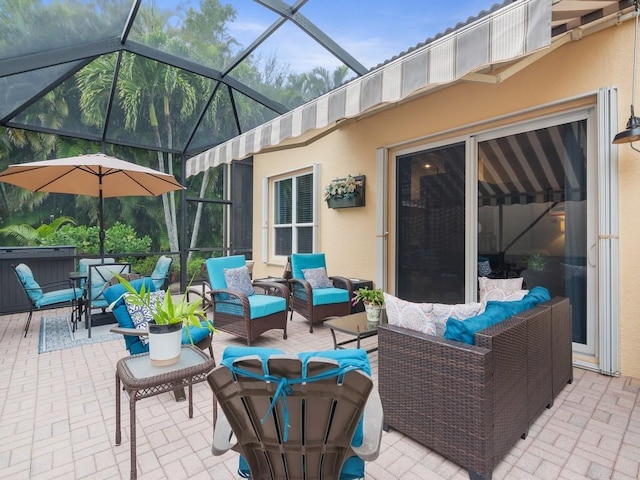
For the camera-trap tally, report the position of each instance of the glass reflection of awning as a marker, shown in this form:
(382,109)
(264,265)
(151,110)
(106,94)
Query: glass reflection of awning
(540,166)
(511,32)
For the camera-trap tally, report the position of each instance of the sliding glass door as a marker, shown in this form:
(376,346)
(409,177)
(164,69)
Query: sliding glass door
(431,225)
(536,217)
(532,212)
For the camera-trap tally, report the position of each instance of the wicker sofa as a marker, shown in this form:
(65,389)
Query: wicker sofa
(471,403)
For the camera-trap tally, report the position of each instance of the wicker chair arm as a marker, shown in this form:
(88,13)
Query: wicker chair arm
(129,331)
(244,300)
(300,284)
(342,282)
(272,288)
(372,428)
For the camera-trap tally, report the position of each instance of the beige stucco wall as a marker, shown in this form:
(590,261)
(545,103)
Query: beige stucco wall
(579,68)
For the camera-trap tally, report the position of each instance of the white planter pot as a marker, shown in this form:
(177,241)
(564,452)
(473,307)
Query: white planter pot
(374,312)
(165,344)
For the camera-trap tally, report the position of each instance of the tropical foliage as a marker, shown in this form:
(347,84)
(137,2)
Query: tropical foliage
(26,235)
(153,105)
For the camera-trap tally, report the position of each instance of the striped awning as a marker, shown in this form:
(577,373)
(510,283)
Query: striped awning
(539,166)
(513,31)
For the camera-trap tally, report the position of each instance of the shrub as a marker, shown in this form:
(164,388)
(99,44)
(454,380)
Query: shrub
(119,238)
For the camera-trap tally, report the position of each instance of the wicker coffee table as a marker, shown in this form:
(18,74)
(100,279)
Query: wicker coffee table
(355,325)
(143,380)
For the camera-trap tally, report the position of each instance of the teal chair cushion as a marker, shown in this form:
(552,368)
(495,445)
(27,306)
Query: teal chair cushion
(216,266)
(302,261)
(326,296)
(115,293)
(259,306)
(29,283)
(263,305)
(58,296)
(161,271)
(353,467)
(83,265)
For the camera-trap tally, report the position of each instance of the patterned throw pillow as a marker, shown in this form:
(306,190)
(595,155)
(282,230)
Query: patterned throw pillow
(441,312)
(413,316)
(238,279)
(484,268)
(429,318)
(141,315)
(504,290)
(317,277)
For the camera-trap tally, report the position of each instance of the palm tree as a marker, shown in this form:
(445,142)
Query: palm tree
(26,235)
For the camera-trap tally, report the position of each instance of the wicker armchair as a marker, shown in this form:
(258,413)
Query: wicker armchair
(246,315)
(316,304)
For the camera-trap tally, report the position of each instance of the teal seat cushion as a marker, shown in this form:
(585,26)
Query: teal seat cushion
(259,306)
(353,467)
(194,334)
(326,296)
(495,312)
(263,305)
(58,296)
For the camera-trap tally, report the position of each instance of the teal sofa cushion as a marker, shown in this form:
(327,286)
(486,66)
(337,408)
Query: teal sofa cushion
(465,330)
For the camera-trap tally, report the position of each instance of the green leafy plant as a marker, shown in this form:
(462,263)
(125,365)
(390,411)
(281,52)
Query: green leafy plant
(536,262)
(367,295)
(343,188)
(168,311)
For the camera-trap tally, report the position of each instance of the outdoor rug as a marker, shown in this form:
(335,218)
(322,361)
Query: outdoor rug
(56,334)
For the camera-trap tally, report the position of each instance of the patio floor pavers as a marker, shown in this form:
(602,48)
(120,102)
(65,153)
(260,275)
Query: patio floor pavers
(57,420)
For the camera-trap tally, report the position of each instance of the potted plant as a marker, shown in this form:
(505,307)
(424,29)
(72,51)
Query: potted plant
(373,300)
(536,262)
(168,318)
(345,192)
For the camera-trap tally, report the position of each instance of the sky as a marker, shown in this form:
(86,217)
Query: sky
(371,30)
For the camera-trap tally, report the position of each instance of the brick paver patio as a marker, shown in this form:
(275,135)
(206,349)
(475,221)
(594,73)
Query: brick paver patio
(57,420)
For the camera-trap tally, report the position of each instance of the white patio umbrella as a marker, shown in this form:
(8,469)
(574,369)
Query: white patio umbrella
(96,175)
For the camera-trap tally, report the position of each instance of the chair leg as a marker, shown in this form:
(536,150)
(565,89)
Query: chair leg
(180,395)
(26,327)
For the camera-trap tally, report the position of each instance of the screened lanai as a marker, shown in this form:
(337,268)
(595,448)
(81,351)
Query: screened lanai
(158,82)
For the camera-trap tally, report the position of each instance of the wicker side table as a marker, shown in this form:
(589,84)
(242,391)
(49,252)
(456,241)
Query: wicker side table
(142,380)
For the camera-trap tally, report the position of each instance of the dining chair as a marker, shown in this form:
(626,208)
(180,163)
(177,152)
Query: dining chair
(47,294)
(160,274)
(98,278)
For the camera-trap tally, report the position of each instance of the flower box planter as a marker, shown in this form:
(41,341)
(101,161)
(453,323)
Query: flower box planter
(351,200)
(346,202)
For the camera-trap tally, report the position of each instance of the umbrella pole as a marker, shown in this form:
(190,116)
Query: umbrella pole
(101,214)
